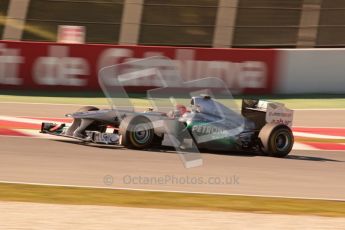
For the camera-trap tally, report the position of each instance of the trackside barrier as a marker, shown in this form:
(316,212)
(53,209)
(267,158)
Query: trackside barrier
(311,71)
(59,67)
(53,66)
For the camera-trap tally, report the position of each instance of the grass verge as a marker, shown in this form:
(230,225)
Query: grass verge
(168,200)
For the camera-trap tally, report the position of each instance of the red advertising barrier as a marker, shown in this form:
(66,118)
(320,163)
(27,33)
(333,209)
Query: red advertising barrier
(54,66)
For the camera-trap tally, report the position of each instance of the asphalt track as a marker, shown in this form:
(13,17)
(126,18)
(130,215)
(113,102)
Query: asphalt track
(309,174)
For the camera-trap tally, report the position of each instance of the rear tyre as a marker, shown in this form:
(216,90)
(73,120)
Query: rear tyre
(276,140)
(137,132)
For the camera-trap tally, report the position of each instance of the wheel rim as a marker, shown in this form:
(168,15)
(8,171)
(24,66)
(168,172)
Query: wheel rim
(141,133)
(282,141)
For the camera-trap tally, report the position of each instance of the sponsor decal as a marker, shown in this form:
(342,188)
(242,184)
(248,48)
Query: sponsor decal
(280,114)
(36,65)
(207,129)
(277,113)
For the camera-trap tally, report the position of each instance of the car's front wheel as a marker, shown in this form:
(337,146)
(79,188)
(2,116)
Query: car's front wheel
(137,132)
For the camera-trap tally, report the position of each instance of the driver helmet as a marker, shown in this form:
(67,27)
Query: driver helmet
(178,111)
(181,108)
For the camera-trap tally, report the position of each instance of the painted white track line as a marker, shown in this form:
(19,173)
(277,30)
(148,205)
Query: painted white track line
(170,191)
(20,119)
(314,135)
(43,103)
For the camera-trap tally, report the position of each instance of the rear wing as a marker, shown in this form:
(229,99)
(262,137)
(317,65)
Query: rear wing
(262,112)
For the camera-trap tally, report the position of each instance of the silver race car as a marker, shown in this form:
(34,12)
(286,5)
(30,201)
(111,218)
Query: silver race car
(260,127)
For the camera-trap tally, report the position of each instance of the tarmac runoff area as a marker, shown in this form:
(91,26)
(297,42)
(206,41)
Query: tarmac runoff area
(16,215)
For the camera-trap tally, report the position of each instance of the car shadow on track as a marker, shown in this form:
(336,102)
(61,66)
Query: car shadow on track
(76,142)
(171,150)
(161,149)
(310,158)
(167,149)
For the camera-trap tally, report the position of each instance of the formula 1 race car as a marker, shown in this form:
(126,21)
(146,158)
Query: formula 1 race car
(260,127)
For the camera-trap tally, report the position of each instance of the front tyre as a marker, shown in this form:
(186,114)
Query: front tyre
(276,140)
(137,132)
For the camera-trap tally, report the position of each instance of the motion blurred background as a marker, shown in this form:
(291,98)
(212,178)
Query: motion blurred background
(201,23)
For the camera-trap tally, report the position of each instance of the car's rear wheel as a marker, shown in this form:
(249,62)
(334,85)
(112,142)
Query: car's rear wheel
(137,132)
(276,140)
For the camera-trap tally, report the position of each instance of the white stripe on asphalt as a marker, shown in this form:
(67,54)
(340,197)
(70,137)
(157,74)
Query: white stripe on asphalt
(27,120)
(171,191)
(19,119)
(315,135)
(43,103)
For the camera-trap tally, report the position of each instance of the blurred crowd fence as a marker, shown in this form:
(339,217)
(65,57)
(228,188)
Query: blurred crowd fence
(193,23)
